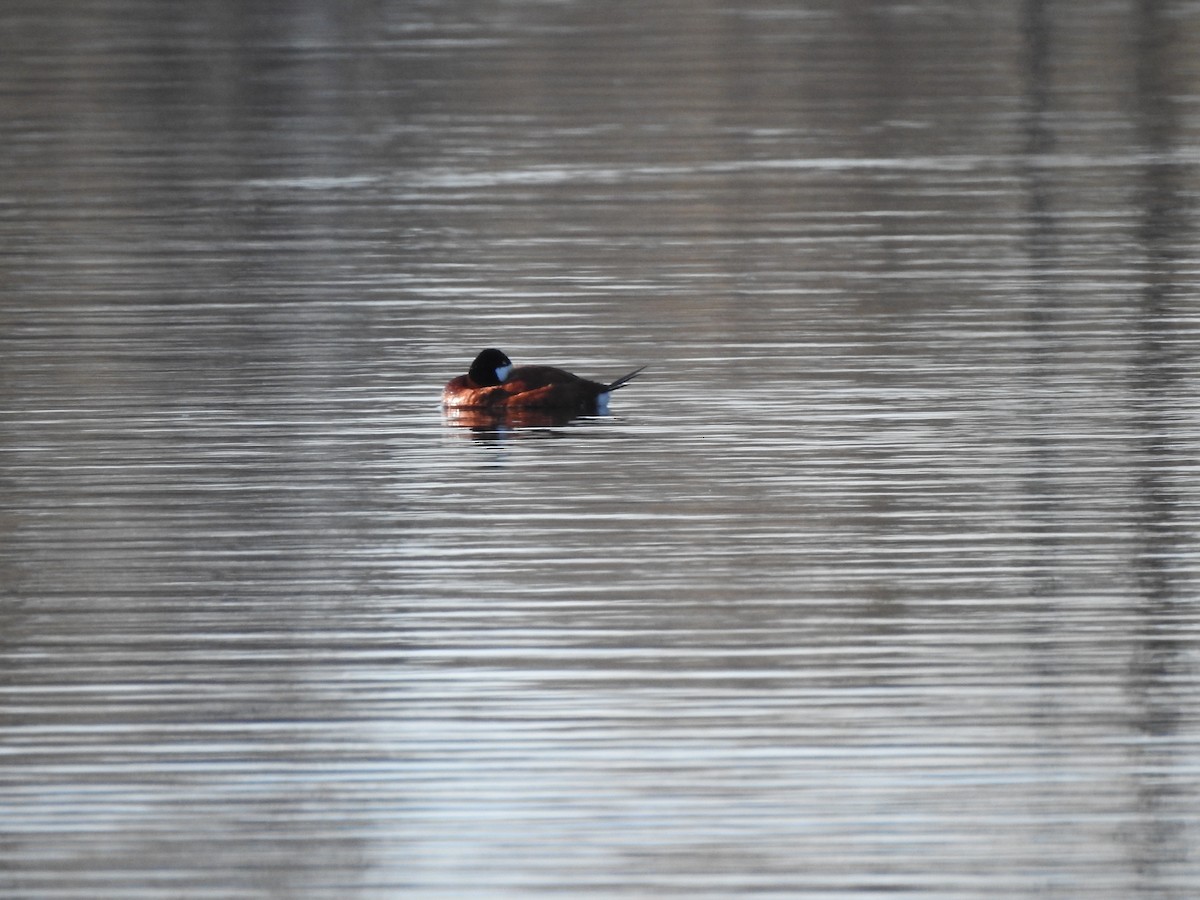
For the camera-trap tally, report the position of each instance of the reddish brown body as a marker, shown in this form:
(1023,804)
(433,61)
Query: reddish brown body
(492,384)
(528,387)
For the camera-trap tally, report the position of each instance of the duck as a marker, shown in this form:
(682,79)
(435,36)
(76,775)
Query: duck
(493,383)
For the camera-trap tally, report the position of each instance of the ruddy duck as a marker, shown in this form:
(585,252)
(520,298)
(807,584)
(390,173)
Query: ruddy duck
(493,384)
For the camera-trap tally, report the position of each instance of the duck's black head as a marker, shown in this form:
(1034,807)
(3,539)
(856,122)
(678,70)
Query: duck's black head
(490,367)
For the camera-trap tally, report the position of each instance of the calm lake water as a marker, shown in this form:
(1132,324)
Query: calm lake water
(882,581)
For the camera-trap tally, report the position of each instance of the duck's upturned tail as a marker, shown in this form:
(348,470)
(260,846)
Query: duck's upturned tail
(624,379)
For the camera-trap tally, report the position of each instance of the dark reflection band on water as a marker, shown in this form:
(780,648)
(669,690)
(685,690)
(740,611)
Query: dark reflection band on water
(1159,651)
(883,583)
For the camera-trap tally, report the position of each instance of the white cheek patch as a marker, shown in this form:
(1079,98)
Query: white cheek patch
(602,403)
(502,372)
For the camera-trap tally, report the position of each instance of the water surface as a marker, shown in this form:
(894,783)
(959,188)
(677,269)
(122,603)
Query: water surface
(882,580)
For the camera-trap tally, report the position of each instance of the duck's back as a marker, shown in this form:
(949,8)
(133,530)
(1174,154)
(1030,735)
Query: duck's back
(548,386)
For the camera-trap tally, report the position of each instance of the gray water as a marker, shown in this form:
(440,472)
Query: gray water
(881,581)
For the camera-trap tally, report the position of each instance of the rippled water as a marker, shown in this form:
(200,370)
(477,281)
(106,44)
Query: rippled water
(882,580)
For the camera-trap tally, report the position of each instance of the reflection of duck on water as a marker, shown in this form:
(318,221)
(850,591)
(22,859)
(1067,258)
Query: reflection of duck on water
(493,386)
(501,420)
